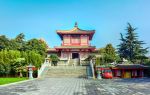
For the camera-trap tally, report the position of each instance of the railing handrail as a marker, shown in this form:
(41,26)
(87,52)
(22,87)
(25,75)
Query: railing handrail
(43,66)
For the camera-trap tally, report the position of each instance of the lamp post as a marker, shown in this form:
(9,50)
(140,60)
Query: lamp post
(30,69)
(92,62)
(99,75)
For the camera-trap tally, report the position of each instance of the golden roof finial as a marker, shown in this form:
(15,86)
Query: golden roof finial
(76,24)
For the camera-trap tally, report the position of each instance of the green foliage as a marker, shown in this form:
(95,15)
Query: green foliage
(108,54)
(54,57)
(107,65)
(4,42)
(7,59)
(20,38)
(90,56)
(14,61)
(130,47)
(34,58)
(12,44)
(147,62)
(12,51)
(98,61)
(2,69)
(20,44)
(38,46)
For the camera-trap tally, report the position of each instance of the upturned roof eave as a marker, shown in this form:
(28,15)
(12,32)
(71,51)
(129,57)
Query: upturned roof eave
(92,32)
(80,33)
(75,29)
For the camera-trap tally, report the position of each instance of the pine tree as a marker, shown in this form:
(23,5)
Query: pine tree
(19,42)
(130,47)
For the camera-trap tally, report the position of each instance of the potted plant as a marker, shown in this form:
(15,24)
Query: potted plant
(54,59)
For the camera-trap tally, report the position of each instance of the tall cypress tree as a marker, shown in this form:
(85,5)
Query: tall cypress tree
(130,47)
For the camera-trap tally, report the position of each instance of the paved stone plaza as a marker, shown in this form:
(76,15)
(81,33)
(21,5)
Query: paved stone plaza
(79,86)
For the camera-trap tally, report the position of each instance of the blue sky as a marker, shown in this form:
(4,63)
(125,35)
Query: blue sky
(41,18)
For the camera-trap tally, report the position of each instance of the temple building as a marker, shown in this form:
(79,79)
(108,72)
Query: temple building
(75,46)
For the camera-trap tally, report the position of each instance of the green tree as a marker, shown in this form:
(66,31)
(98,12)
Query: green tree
(4,42)
(98,61)
(108,54)
(37,45)
(19,42)
(20,38)
(34,58)
(130,47)
(11,50)
(7,61)
(12,44)
(122,50)
(19,67)
(2,69)
(54,58)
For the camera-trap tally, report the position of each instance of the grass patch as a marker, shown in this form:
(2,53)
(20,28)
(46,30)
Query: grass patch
(10,80)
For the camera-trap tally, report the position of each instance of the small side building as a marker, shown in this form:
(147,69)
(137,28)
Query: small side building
(128,71)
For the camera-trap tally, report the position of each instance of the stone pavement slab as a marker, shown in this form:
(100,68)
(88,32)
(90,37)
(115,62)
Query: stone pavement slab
(79,86)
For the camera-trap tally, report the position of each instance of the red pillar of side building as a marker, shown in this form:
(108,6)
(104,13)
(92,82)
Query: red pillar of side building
(114,72)
(122,73)
(141,73)
(133,73)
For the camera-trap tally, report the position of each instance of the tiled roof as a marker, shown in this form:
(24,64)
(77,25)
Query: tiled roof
(130,66)
(75,30)
(52,49)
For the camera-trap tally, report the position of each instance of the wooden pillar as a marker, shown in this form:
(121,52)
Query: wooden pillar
(80,57)
(141,73)
(133,74)
(115,73)
(135,71)
(88,38)
(70,40)
(122,73)
(63,40)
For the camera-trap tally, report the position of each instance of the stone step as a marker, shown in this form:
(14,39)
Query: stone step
(74,76)
(66,71)
(49,73)
(73,62)
(66,67)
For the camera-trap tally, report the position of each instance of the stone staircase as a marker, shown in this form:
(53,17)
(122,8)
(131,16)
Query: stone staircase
(73,62)
(65,71)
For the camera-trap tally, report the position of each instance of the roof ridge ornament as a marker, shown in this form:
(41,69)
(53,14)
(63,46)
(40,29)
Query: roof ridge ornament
(76,24)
